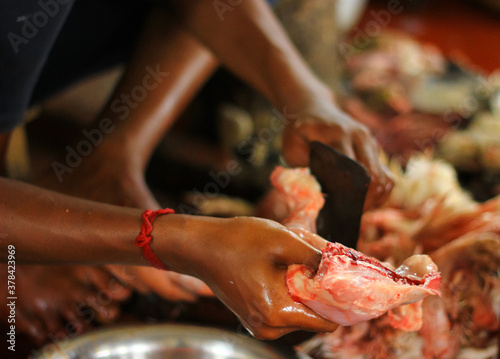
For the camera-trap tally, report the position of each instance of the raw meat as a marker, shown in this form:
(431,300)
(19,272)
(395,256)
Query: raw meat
(427,210)
(348,287)
(303,196)
(471,294)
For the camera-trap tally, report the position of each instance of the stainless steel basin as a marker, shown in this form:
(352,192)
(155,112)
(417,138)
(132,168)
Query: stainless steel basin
(161,342)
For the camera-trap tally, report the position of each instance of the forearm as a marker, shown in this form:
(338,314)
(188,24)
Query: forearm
(250,41)
(47,227)
(50,228)
(184,65)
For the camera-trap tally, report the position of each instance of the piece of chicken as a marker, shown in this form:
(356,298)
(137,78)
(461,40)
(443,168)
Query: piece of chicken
(348,287)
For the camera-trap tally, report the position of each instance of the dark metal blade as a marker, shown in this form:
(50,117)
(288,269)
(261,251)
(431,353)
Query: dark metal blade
(345,183)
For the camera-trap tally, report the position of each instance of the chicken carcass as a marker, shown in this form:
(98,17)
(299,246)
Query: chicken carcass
(428,210)
(348,287)
(471,289)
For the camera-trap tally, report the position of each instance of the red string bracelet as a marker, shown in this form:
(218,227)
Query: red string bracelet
(144,238)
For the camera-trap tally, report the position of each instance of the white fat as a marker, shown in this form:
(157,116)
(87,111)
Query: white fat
(428,183)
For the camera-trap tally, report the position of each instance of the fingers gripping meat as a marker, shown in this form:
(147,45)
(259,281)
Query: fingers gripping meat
(348,287)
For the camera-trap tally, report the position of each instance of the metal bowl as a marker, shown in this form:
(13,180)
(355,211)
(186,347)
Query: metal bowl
(160,342)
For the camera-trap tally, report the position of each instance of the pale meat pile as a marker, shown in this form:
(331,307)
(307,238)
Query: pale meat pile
(349,287)
(413,98)
(385,80)
(428,213)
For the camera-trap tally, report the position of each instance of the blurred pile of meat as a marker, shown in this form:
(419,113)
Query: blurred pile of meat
(413,100)
(428,212)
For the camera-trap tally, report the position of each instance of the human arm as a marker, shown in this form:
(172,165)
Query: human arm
(181,65)
(168,67)
(249,41)
(50,228)
(243,260)
(165,71)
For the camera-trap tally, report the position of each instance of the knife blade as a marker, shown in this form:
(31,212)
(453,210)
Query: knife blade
(345,184)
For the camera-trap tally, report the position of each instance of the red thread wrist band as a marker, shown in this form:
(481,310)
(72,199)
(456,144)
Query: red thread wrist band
(144,238)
